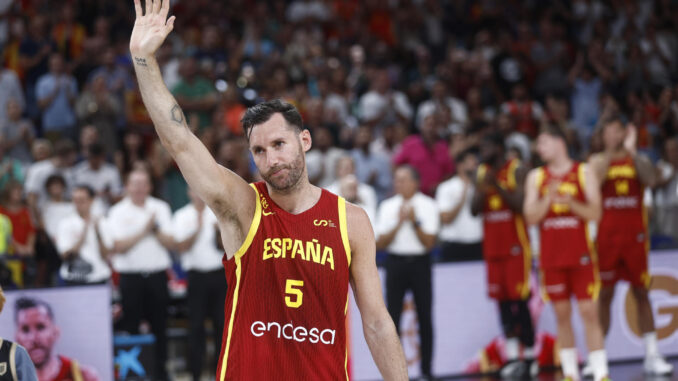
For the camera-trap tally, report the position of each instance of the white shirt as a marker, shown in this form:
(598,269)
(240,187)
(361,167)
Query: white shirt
(52,214)
(37,175)
(405,241)
(107,176)
(465,228)
(316,161)
(126,220)
(457,110)
(69,232)
(204,254)
(366,195)
(373,104)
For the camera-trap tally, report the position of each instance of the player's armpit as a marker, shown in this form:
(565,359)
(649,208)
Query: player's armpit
(378,327)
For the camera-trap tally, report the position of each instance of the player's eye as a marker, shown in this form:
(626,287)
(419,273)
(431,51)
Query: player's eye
(279,143)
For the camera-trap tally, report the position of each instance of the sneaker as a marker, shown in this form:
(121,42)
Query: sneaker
(587,371)
(513,370)
(657,366)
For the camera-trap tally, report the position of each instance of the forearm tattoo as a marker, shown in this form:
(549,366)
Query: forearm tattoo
(177,114)
(140,61)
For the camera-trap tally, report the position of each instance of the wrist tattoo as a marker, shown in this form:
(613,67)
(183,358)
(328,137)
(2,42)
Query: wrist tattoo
(177,114)
(140,61)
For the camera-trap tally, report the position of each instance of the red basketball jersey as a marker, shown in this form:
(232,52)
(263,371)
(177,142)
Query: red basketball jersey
(505,232)
(288,295)
(622,198)
(563,235)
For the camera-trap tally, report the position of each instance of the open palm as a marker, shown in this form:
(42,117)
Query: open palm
(151,28)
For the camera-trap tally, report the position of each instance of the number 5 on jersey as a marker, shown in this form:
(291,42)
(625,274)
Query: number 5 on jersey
(294,297)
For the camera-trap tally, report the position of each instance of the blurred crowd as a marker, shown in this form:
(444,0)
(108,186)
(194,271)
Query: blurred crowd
(379,83)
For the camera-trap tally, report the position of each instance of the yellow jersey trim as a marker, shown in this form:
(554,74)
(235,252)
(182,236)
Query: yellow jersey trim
(581,176)
(254,227)
(344,230)
(511,173)
(75,370)
(527,256)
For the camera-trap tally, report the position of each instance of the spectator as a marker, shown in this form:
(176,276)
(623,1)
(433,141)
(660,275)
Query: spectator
(199,242)
(666,191)
(441,100)
(131,152)
(371,167)
(69,36)
(461,232)
(321,160)
(34,52)
(549,55)
(117,79)
(10,90)
(407,226)
(230,111)
(526,112)
(56,93)
(61,163)
(99,175)
(83,242)
(382,106)
(586,80)
(428,154)
(23,230)
(140,227)
(349,187)
(20,366)
(99,107)
(196,96)
(56,207)
(17,134)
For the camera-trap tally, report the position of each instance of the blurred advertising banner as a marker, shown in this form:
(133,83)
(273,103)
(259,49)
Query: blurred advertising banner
(66,327)
(467,332)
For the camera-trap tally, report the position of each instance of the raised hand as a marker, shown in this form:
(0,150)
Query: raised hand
(631,139)
(150,29)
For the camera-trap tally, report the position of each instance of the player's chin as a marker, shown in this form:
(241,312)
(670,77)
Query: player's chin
(38,355)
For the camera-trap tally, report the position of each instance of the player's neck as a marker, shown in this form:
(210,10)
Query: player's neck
(50,370)
(560,165)
(297,200)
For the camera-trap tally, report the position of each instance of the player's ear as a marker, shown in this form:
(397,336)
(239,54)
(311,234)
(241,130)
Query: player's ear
(305,139)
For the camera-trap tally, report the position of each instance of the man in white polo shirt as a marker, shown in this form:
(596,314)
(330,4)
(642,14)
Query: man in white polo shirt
(141,228)
(195,230)
(407,226)
(83,242)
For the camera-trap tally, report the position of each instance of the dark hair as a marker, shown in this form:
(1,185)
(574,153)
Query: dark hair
(53,179)
(85,188)
(553,130)
(24,303)
(461,156)
(262,112)
(413,171)
(614,118)
(96,150)
(495,139)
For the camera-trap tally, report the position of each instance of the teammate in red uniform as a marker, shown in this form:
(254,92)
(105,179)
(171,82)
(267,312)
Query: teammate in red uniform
(562,196)
(499,197)
(291,248)
(622,240)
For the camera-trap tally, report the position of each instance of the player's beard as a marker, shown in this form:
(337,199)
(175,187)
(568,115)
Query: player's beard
(295,170)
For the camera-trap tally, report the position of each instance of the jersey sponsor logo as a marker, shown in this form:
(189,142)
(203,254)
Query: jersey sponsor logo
(621,171)
(275,248)
(495,202)
(621,187)
(3,368)
(290,332)
(324,223)
(620,203)
(264,206)
(499,216)
(561,223)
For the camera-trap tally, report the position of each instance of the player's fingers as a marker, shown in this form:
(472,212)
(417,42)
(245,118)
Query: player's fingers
(165,9)
(156,6)
(148,7)
(137,8)
(169,25)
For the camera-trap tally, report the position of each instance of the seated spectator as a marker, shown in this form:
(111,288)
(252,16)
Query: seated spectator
(56,207)
(16,134)
(440,98)
(371,166)
(195,94)
(321,160)
(349,187)
(23,230)
(99,175)
(383,106)
(99,107)
(10,89)
(60,163)
(56,93)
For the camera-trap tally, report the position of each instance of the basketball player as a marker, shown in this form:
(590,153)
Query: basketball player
(562,196)
(15,364)
(506,249)
(291,248)
(38,333)
(622,240)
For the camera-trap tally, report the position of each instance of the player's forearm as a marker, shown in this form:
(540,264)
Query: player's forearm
(385,239)
(477,201)
(535,212)
(167,116)
(386,349)
(646,171)
(586,211)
